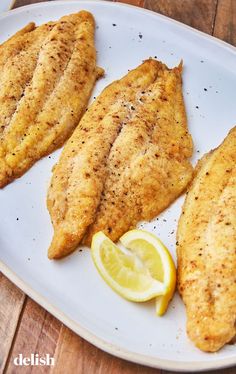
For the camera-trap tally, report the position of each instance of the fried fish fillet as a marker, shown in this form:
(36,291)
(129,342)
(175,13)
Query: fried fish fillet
(45,87)
(18,60)
(16,43)
(126,161)
(206,248)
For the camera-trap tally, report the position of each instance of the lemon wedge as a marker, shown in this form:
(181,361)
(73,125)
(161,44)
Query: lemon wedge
(158,261)
(135,270)
(123,271)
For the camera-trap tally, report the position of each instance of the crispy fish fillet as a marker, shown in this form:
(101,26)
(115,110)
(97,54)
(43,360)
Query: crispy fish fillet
(19,60)
(16,43)
(206,249)
(126,161)
(45,88)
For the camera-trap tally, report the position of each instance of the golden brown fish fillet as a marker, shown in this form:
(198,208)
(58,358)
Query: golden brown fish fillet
(126,161)
(17,71)
(16,43)
(44,91)
(206,248)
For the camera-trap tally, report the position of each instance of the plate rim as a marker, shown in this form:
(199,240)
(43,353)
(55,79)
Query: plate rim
(115,350)
(9,6)
(210,37)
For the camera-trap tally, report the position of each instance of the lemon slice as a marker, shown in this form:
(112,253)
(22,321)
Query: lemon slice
(157,259)
(123,271)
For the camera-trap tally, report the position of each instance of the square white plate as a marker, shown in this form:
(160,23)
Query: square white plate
(71,289)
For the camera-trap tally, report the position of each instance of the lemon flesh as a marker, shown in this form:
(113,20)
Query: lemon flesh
(157,260)
(123,271)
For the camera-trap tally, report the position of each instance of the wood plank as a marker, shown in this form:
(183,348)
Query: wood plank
(75,355)
(199,14)
(11,304)
(19,3)
(37,333)
(225,22)
(221,371)
(140,3)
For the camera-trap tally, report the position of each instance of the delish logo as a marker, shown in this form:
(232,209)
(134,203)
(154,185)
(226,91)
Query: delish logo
(34,360)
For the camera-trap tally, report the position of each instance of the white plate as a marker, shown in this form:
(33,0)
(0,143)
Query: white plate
(71,289)
(6,5)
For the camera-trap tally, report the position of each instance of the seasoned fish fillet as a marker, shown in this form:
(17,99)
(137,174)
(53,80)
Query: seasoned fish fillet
(126,161)
(206,248)
(16,43)
(45,87)
(17,69)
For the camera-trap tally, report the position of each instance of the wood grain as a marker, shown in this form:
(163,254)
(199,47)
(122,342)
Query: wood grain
(140,3)
(11,304)
(221,371)
(75,355)
(225,21)
(199,14)
(19,3)
(38,331)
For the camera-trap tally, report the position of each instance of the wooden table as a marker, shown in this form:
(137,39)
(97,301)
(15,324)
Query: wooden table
(27,328)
